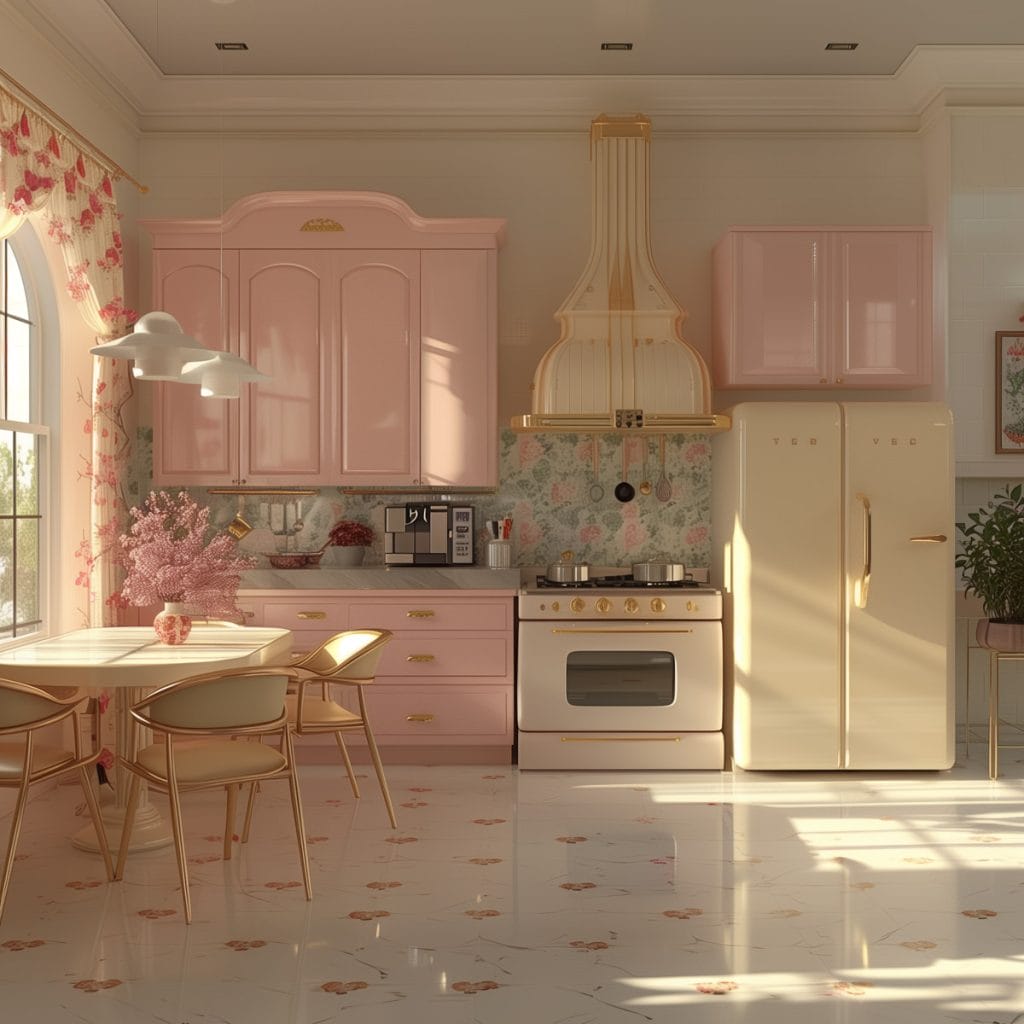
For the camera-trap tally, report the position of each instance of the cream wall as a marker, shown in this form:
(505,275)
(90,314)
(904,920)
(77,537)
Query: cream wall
(701,184)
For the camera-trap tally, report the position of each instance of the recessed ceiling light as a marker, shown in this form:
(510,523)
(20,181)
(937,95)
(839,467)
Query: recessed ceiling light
(616,46)
(841,46)
(232,46)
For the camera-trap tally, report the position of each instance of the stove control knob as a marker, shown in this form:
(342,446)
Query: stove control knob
(632,605)
(577,604)
(692,606)
(658,605)
(604,605)
(554,606)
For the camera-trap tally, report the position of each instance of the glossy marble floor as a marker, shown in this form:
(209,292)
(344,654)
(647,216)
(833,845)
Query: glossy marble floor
(508,897)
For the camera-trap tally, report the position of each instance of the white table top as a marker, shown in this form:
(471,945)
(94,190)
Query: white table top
(114,656)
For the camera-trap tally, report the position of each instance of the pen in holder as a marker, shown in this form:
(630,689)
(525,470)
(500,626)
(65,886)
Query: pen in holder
(499,554)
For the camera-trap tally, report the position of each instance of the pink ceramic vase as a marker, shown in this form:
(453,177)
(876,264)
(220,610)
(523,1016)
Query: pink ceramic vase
(172,625)
(1000,636)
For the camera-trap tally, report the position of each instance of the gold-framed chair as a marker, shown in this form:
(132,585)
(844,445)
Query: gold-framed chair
(206,723)
(349,658)
(24,710)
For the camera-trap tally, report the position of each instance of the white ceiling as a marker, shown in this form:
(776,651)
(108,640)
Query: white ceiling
(555,37)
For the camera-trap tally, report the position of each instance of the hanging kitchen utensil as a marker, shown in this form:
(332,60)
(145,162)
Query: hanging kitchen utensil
(624,491)
(645,481)
(663,489)
(239,527)
(596,490)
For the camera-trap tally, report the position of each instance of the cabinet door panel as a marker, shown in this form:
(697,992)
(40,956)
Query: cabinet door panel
(779,296)
(883,307)
(377,306)
(284,335)
(195,438)
(458,372)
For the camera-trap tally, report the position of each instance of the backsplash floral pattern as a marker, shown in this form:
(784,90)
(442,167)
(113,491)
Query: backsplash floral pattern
(545,487)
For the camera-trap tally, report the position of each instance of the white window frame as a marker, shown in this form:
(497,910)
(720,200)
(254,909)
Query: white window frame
(43,403)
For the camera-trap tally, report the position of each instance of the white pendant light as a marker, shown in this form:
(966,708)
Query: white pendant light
(220,375)
(158,345)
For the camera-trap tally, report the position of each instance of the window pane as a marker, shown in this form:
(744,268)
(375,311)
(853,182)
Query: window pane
(19,369)
(26,604)
(6,577)
(6,475)
(17,299)
(27,488)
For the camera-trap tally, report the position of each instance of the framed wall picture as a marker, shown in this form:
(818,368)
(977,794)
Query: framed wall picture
(1010,391)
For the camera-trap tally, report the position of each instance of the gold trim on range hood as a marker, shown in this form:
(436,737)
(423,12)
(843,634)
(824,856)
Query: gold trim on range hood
(620,364)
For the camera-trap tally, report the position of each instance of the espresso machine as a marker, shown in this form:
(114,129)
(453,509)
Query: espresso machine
(428,533)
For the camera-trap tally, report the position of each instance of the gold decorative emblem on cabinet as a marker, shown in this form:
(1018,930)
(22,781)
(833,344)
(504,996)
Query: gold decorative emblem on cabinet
(321,224)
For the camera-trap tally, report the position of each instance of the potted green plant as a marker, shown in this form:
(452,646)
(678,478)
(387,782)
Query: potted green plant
(991,562)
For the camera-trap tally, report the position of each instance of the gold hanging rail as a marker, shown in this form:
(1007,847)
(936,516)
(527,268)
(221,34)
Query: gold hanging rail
(284,492)
(43,109)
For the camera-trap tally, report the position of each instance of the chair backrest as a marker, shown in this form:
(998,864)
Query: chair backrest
(352,654)
(234,700)
(23,706)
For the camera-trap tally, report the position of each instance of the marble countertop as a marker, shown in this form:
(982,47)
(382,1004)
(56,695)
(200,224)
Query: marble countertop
(380,577)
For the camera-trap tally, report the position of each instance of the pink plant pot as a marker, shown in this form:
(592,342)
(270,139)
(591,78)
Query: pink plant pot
(1000,636)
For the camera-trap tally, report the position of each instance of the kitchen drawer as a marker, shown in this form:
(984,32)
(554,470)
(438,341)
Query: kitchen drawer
(430,614)
(315,614)
(428,714)
(426,654)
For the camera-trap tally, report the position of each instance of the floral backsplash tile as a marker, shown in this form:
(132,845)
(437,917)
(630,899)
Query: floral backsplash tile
(546,489)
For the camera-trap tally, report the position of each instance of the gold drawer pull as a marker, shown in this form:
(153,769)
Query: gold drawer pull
(249,615)
(420,613)
(419,718)
(934,538)
(420,657)
(311,615)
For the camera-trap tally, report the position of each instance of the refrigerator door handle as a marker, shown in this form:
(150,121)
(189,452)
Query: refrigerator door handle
(931,538)
(860,588)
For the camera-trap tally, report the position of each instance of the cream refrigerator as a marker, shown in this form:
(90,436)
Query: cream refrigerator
(833,533)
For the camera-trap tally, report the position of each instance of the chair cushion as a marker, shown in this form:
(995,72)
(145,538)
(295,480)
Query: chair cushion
(213,761)
(12,754)
(317,713)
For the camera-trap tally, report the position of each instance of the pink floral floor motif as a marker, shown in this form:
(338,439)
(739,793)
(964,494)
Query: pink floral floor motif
(545,897)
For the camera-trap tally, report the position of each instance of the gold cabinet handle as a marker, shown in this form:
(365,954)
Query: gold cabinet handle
(249,615)
(311,615)
(419,718)
(420,613)
(929,538)
(420,657)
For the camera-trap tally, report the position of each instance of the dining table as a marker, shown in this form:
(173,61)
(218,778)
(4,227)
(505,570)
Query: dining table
(130,661)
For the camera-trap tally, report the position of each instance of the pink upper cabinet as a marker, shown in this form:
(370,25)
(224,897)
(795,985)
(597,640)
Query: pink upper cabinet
(822,308)
(377,327)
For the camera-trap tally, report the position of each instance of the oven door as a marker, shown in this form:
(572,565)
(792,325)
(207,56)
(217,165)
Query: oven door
(633,676)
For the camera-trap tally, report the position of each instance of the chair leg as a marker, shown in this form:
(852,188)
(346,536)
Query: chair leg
(126,828)
(229,819)
(348,765)
(179,846)
(97,821)
(254,788)
(379,768)
(300,824)
(12,842)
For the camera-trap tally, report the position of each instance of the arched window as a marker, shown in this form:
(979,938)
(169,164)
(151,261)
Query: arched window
(24,453)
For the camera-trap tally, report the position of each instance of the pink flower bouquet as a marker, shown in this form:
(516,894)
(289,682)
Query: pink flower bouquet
(168,558)
(346,533)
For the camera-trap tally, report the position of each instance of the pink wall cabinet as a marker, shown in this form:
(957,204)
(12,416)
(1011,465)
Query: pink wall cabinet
(822,308)
(378,328)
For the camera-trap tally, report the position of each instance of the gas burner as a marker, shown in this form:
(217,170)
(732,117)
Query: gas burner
(618,582)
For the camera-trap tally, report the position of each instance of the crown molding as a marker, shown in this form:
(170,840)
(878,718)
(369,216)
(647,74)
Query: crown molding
(98,47)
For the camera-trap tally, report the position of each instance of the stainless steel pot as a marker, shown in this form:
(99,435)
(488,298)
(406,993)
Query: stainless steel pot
(567,570)
(659,572)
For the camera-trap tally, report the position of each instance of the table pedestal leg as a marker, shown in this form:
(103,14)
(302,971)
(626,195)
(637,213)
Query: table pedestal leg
(150,831)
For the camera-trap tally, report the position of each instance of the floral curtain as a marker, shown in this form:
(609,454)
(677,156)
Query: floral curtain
(70,195)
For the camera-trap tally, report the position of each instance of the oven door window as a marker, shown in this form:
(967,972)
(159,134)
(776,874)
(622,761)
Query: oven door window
(634,679)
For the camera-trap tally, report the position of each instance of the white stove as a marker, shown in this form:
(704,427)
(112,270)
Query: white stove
(617,674)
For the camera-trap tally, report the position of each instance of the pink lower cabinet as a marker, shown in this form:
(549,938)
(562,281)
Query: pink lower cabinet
(444,688)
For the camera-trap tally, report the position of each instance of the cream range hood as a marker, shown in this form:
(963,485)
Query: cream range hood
(621,363)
